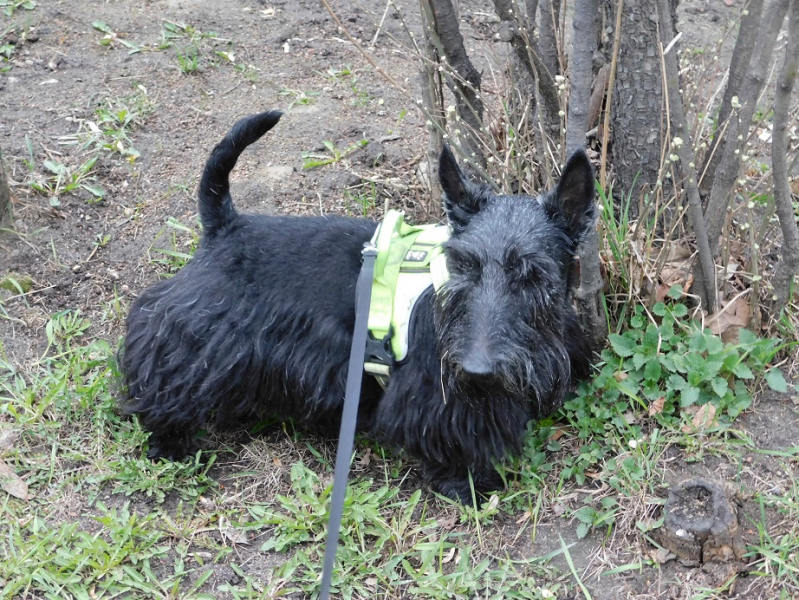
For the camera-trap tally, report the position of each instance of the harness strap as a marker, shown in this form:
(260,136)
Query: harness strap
(349,415)
(410,260)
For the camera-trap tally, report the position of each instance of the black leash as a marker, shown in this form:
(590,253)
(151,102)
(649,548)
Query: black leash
(352,396)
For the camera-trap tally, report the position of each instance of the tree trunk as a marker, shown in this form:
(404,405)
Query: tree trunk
(5,195)
(463,79)
(681,144)
(433,102)
(529,53)
(788,268)
(739,64)
(589,294)
(738,129)
(581,72)
(637,116)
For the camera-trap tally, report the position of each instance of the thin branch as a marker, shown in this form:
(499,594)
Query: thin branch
(748,34)
(789,266)
(465,80)
(738,129)
(611,82)
(529,53)
(681,143)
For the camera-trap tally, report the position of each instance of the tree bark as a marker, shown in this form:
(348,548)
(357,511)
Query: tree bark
(682,146)
(788,268)
(5,195)
(464,80)
(636,112)
(739,64)
(589,294)
(581,72)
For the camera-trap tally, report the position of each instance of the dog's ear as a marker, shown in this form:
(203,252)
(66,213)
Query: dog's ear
(462,198)
(573,199)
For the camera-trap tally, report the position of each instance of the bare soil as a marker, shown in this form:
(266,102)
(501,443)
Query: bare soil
(95,257)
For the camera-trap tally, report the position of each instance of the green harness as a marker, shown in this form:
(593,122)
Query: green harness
(410,259)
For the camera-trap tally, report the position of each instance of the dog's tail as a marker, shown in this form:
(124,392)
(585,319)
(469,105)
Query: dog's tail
(216,205)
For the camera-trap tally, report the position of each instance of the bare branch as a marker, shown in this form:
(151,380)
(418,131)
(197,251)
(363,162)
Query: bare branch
(465,82)
(529,53)
(789,266)
(682,145)
(748,34)
(433,102)
(547,32)
(738,129)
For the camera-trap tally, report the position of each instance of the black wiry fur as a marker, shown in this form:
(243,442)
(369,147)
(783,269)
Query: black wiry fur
(260,322)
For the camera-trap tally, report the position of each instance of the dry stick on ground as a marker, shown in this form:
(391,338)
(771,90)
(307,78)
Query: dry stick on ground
(738,129)
(789,266)
(529,53)
(739,63)
(684,149)
(5,195)
(465,81)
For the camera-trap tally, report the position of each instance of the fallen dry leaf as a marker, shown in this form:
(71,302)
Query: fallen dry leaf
(366,459)
(732,314)
(525,517)
(235,536)
(661,555)
(449,555)
(8,437)
(557,432)
(11,483)
(703,419)
(657,406)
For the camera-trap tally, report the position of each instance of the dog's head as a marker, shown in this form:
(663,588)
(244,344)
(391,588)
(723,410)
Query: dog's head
(501,316)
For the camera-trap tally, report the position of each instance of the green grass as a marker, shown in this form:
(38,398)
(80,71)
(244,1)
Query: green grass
(103,521)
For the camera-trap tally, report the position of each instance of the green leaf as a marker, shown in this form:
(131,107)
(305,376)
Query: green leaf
(585,514)
(100,26)
(689,396)
(776,381)
(679,311)
(675,291)
(659,309)
(653,370)
(719,386)
(622,345)
(742,371)
(582,530)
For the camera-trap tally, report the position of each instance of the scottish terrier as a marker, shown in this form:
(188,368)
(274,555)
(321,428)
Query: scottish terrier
(259,323)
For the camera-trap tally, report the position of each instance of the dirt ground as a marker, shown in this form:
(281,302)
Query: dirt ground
(96,256)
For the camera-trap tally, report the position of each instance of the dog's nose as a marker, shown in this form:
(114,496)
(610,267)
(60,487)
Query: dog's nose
(478,368)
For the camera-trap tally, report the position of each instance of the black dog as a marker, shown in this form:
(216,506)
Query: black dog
(260,323)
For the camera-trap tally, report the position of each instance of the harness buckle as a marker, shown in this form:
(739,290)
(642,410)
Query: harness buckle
(379,359)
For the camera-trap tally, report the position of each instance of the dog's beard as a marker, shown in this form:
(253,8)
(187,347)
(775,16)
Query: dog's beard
(529,363)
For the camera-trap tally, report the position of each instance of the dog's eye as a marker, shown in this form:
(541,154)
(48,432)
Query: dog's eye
(464,265)
(524,271)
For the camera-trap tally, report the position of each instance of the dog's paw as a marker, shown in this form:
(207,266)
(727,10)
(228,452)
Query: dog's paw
(466,491)
(169,449)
